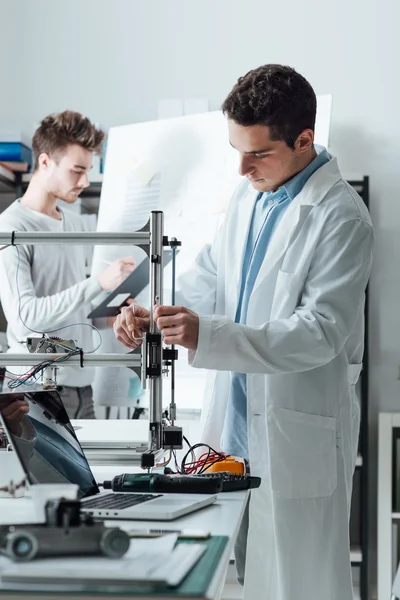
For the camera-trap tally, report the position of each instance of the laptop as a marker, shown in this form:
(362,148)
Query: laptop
(49,452)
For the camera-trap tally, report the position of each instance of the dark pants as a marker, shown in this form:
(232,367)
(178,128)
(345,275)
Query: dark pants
(78,401)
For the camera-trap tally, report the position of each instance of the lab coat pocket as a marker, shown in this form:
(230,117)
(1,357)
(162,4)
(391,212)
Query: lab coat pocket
(303,454)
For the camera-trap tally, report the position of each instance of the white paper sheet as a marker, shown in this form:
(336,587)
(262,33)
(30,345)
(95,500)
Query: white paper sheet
(143,557)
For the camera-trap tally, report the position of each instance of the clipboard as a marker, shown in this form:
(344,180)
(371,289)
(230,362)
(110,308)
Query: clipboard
(131,287)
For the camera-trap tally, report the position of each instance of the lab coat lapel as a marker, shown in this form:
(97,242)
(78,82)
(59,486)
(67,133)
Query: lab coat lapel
(241,233)
(312,194)
(291,221)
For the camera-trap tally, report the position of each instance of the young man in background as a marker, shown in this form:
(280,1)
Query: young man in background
(44,288)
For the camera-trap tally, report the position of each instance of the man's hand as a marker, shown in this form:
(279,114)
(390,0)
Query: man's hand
(13,408)
(116,273)
(131,325)
(178,325)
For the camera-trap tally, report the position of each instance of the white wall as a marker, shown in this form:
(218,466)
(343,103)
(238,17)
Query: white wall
(114,59)
(11,58)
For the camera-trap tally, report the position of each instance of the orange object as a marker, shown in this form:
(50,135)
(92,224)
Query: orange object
(232,464)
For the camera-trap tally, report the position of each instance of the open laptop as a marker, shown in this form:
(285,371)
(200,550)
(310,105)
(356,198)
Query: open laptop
(49,452)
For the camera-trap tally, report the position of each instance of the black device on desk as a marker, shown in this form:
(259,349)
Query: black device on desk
(207,483)
(232,482)
(158,483)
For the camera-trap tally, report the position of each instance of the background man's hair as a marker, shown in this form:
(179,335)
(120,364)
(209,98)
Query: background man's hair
(276,96)
(58,131)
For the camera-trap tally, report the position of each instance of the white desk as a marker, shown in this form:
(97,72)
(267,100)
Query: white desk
(222,518)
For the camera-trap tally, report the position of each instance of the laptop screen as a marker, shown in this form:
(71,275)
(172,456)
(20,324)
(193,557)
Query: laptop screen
(40,432)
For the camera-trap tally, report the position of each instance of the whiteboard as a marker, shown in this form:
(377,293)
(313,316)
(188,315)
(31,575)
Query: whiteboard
(185,167)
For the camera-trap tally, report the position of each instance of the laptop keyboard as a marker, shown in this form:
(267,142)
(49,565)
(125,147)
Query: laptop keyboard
(118,501)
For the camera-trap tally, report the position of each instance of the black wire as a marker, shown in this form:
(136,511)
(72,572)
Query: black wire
(33,373)
(193,448)
(205,466)
(176,461)
(205,461)
(183,469)
(188,443)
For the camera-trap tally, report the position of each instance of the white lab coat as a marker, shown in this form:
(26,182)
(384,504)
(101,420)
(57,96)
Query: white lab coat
(302,350)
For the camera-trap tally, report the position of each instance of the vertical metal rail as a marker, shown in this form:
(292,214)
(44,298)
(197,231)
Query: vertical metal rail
(172,406)
(156,297)
(364,570)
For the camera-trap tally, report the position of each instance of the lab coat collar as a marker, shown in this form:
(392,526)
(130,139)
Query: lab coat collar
(312,194)
(321,181)
(294,186)
(319,184)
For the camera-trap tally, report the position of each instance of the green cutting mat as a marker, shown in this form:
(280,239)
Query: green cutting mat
(197,581)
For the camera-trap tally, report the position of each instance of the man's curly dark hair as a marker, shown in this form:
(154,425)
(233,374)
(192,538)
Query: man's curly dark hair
(276,96)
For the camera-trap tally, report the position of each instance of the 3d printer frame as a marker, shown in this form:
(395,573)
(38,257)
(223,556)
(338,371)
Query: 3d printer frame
(153,360)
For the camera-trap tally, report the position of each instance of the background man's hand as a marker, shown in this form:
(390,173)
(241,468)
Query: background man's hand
(116,273)
(131,325)
(178,325)
(13,408)
(111,321)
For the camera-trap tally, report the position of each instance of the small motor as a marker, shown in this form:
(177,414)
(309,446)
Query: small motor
(50,345)
(64,534)
(46,344)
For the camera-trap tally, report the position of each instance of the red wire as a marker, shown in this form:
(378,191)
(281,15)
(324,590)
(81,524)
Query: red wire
(10,378)
(204,460)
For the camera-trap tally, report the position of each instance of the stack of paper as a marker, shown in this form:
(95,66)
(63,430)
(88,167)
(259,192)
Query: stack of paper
(148,563)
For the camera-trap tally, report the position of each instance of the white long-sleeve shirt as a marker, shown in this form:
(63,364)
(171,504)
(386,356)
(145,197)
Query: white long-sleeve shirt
(53,288)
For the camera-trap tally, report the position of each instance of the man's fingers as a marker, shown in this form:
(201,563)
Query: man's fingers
(173,340)
(127,315)
(17,406)
(20,403)
(136,318)
(142,324)
(127,270)
(165,311)
(170,321)
(6,399)
(20,412)
(124,338)
(122,334)
(128,260)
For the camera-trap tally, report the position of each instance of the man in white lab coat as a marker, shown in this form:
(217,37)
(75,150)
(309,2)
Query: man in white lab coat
(278,300)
